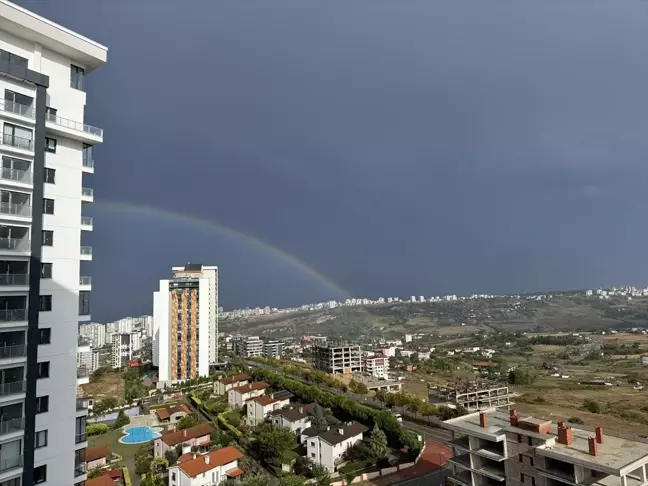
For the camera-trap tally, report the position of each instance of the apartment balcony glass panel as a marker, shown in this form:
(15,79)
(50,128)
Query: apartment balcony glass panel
(16,351)
(17,104)
(18,142)
(14,209)
(12,425)
(73,125)
(83,373)
(13,315)
(80,468)
(86,250)
(16,175)
(82,404)
(14,279)
(85,280)
(86,220)
(87,191)
(10,388)
(10,462)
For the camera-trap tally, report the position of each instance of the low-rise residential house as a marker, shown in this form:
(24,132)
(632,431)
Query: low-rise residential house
(97,457)
(222,386)
(236,397)
(198,435)
(296,419)
(100,481)
(172,414)
(326,448)
(260,407)
(206,470)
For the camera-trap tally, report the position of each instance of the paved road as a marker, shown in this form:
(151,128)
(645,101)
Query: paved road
(435,478)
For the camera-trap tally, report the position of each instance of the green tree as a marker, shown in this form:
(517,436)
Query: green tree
(302,466)
(95,473)
(378,443)
(409,439)
(381,396)
(258,479)
(143,464)
(171,456)
(591,406)
(273,442)
(292,480)
(522,377)
(321,475)
(122,420)
(187,421)
(318,419)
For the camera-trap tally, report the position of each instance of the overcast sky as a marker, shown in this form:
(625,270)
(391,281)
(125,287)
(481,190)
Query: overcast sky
(395,147)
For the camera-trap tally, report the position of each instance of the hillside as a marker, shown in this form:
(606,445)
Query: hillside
(558,313)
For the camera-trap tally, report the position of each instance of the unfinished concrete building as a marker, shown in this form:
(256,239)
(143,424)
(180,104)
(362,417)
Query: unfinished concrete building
(493,447)
(338,357)
(473,395)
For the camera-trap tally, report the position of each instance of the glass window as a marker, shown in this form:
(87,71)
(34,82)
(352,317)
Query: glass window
(18,103)
(13,58)
(45,335)
(48,206)
(84,302)
(40,474)
(45,303)
(42,404)
(41,439)
(20,137)
(46,270)
(50,176)
(77,76)
(43,370)
(48,237)
(50,145)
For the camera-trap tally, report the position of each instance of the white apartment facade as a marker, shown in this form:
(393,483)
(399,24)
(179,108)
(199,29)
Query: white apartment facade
(259,408)
(181,317)
(211,274)
(124,346)
(96,333)
(376,365)
(46,150)
(248,346)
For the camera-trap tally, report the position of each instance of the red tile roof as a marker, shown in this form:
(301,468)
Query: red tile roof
(94,453)
(100,481)
(179,436)
(165,413)
(266,400)
(234,472)
(234,379)
(201,464)
(257,385)
(186,457)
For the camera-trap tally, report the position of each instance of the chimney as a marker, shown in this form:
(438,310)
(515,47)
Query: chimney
(514,417)
(593,446)
(483,420)
(341,431)
(328,428)
(184,433)
(599,434)
(194,455)
(206,458)
(301,409)
(565,434)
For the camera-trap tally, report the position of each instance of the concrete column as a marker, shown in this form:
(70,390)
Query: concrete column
(624,481)
(642,474)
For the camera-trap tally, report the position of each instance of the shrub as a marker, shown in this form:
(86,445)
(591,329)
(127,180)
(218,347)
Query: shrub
(96,429)
(122,420)
(591,406)
(575,420)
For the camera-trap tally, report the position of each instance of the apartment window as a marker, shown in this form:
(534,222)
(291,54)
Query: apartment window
(529,441)
(46,270)
(84,303)
(43,369)
(77,76)
(41,439)
(20,137)
(88,156)
(40,474)
(7,56)
(50,176)
(519,439)
(530,461)
(48,206)
(18,103)
(48,237)
(50,112)
(12,482)
(45,335)
(521,458)
(173,476)
(50,145)
(42,404)
(45,303)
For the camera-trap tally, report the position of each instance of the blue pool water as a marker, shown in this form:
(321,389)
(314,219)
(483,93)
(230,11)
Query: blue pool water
(139,434)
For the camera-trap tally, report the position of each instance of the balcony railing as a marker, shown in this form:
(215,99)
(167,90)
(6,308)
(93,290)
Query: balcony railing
(16,175)
(14,279)
(80,468)
(86,220)
(82,437)
(18,244)
(85,280)
(17,108)
(87,191)
(86,250)
(88,162)
(13,425)
(14,387)
(74,125)
(13,315)
(83,373)
(11,463)
(18,142)
(14,351)
(14,209)
(82,404)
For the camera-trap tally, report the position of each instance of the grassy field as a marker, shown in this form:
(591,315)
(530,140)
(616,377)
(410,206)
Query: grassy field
(110,440)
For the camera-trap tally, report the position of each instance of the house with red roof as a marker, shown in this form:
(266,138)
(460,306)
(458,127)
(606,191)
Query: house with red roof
(172,414)
(260,407)
(222,386)
(208,469)
(198,435)
(236,397)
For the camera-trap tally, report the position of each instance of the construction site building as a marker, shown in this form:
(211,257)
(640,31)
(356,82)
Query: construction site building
(473,395)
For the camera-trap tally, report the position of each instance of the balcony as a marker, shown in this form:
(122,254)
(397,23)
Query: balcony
(13,244)
(86,223)
(82,437)
(86,253)
(80,468)
(14,108)
(14,279)
(74,129)
(85,281)
(11,426)
(83,377)
(13,209)
(13,388)
(11,463)
(87,194)
(82,404)
(13,315)
(15,175)
(13,351)
(88,164)
(18,142)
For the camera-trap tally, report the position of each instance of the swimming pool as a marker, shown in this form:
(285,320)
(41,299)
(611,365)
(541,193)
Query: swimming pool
(139,434)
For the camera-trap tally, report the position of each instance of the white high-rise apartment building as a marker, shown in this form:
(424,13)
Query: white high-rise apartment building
(96,333)
(182,325)
(46,152)
(124,345)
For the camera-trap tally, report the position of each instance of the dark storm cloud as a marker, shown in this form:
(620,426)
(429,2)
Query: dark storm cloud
(400,147)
